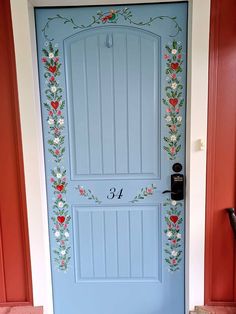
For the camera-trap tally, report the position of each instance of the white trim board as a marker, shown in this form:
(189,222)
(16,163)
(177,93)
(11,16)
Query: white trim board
(27,76)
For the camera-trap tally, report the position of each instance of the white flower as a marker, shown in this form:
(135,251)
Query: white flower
(50,121)
(179,118)
(66,234)
(61,121)
(53,89)
(60,204)
(173,138)
(174,253)
(63,252)
(173,203)
(169,234)
(174,85)
(51,55)
(178,235)
(57,234)
(174,51)
(168,118)
(59,175)
(56,140)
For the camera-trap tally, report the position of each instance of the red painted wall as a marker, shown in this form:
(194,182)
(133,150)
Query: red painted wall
(15,274)
(220,258)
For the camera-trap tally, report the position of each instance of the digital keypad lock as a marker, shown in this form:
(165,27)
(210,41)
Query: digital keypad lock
(177,184)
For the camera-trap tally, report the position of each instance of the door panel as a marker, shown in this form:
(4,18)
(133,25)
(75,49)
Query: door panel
(113,90)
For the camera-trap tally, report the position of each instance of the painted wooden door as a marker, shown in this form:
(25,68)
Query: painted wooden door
(112,82)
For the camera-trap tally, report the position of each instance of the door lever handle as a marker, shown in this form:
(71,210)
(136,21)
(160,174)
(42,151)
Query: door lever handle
(232,219)
(167,191)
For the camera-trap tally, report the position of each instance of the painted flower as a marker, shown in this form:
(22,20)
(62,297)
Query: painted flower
(179,118)
(53,89)
(149,191)
(52,79)
(168,118)
(57,234)
(173,138)
(44,60)
(50,121)
(66,234)
(172,150)
(61,121)
(174,253)
(57,152)
(173,76)
(50,113)
(169,234)
(173,203)
(174,241)
(177,110)
(173,128)
(81,190)
(56,59)
(166,57)
(52,180)
(56,140)
(168,110)
(59,112)
(60,204)
(51,55)
(63,252)
(174,51)
(174,262)
(59,196)
(178,235)
(179,56)
(174,85)
(59,175)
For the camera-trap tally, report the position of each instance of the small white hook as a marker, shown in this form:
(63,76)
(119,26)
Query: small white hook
(109,41)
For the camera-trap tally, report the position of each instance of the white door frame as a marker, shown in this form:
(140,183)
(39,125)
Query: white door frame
(30,115)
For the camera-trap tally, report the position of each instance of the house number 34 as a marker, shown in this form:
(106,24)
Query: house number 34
(114,193)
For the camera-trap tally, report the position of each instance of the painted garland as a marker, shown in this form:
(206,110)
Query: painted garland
(144,192)
(173,221)
(87,193)
(174,100)
(111,17)
(55,119)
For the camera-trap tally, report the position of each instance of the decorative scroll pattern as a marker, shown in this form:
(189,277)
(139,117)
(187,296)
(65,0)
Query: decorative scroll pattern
(111,17)
(174,100)
(173,221)
(88,194)
(54,106)
(144,192)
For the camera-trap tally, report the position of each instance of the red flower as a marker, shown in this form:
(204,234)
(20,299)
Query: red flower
(44,60)
(81,191)
(62,263)
(52,79)
(174,241)
(179,56)
(55,104)
(61,219)
(50,113)
(59,112)
(57,152)
(56,59)
(52,69)
(177,110)
(172,150)
(173,101)
(173,76)
(60,187)
(174,66)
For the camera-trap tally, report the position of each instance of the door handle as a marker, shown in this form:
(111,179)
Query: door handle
(177,187)
(232,219)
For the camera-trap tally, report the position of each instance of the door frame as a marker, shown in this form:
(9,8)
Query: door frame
(32,141)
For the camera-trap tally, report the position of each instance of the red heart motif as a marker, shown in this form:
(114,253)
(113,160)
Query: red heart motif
(174,66)
(60,187)
(173,101)
(174,219)
(55,104)
(52,69)
(61,219)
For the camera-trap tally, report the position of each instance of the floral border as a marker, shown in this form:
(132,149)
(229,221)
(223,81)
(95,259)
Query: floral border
(55,119)
(173,245)
(88,194)
(174,100)
(144,192)
(112,17)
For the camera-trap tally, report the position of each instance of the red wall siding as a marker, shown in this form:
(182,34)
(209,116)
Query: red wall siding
(15,275)
(220,261)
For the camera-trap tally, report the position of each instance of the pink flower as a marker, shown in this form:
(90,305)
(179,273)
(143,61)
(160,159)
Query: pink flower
(149,190)
(81,191)
(172,150)
(59,196)
(65,226)
(173,76)
(166,57)
(177,227)
(52,79)
(179,56)
(64,179)
(56,59)
(177,110)
(174,241)
(173,128)
(62,242)
(59,112)
(168,110)
(56,130)
(62,262)
(44,59)
(52,180)
(174,261)
(57,152)
(50,113)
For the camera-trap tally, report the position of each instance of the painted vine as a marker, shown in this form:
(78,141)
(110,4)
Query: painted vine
(55,119)
(144,192)
(88,194)
(174,100)
(111,17)
(172,231)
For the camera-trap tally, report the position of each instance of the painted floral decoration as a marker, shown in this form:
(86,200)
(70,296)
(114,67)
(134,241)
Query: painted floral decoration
(55,119)
(88,194)
(174,100)
(144,192)
(173,221)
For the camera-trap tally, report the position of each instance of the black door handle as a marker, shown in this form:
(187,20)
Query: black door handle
(232,219)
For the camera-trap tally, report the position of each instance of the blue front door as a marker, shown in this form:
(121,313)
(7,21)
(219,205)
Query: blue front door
(112,84)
